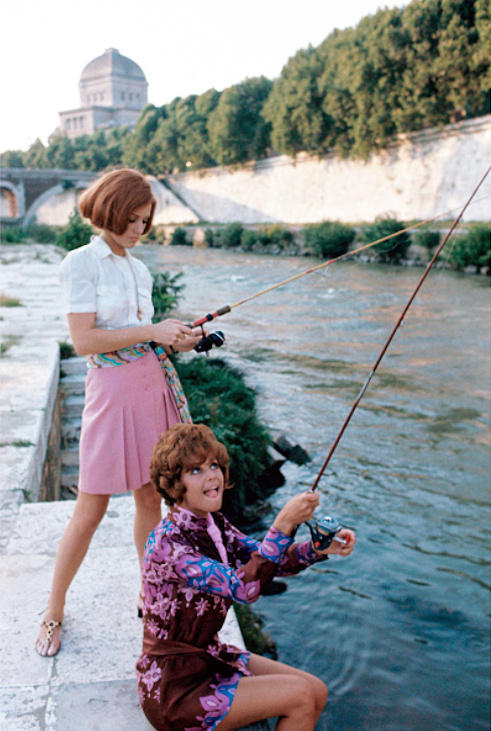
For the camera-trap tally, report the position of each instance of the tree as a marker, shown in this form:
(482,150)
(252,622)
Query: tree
(12,159)
(35,157)
(60,152)
(294,106)
(136,147)
(237,130)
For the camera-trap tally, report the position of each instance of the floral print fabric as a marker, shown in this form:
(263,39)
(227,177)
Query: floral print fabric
(187,678)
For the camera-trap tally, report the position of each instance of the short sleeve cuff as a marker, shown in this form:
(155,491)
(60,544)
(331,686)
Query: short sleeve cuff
(73,309)
(274,545)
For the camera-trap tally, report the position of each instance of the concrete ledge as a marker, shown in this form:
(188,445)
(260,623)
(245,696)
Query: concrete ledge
(91,683)
(29,371)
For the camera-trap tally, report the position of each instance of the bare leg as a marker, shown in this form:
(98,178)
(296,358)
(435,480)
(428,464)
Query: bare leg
(148,514)
(276,690)
(88,513)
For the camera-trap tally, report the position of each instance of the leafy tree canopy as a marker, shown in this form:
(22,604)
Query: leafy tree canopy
(399,70)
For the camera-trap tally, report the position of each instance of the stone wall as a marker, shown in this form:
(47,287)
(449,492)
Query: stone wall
(423,175)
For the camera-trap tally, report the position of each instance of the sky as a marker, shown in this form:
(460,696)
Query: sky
(184,47)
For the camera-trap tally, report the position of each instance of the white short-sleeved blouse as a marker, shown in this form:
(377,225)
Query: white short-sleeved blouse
(114,287)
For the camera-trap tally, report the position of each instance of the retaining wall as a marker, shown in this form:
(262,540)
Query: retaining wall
(422,175)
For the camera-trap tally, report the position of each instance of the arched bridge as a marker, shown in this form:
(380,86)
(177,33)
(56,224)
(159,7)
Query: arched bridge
(23,191)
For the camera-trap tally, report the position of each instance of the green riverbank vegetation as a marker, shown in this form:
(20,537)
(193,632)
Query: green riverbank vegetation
(219,397)
(469,250)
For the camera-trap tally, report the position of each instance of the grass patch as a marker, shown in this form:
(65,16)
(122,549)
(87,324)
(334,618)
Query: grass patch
(9,341)
(17,443)
(6,301)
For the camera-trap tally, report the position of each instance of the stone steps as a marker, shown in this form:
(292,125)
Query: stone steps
(72,385)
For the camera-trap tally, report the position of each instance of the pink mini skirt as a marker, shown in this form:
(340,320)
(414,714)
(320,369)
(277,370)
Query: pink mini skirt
(127,407)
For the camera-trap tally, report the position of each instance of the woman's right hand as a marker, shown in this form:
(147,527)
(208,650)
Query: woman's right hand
(170,332)
(297,510)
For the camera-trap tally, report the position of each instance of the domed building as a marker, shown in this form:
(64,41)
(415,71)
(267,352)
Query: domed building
(113,91)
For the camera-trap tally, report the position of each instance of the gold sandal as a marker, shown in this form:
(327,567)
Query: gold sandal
(50,625)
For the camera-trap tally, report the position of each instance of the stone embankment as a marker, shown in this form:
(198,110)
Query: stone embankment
(91,683)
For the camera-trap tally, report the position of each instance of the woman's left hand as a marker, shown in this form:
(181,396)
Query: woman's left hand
(338,548)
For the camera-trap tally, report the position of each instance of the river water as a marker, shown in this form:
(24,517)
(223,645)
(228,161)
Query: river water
(400,631)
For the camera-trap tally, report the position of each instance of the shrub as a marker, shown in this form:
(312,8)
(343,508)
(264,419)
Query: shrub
(429,240)
(42,233)
(12,234)
(157,235)
(165,293)
(209,238)
(248,239)
(392,250)
(230,236)
(473,249)
(219,398)
(275,235)
(180,238)
(75,234)
(278,235)
(66,350)
(328,239)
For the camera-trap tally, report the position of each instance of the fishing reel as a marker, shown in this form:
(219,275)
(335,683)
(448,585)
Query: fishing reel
(324,532)
(214,339)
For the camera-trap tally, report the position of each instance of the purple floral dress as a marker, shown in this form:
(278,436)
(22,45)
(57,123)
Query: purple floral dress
(187,678)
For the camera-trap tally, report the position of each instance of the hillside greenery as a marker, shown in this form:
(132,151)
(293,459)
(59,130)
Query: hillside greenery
(398,71)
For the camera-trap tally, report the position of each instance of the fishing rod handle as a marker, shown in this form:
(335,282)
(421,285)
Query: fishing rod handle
(211,316)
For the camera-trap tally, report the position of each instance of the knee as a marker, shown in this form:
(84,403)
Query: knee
(321,693)
(147,499)
(305,703)
(87,522)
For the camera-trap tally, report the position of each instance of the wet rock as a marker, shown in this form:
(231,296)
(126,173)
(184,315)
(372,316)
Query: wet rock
(272,478)
(293,452)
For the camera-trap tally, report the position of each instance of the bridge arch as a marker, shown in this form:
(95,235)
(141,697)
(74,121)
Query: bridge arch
(65,206)
(51,193)
(12,201)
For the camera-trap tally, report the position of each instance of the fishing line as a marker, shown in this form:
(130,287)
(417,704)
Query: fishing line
(228,308)
(394,330)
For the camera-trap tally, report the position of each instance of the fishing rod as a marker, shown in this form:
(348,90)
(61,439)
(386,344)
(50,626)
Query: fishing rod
(394,330)
(228,308)
(325,530)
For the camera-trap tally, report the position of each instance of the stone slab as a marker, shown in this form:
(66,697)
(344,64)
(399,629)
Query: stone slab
(94,673)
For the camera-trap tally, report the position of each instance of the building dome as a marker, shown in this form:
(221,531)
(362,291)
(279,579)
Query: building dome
(113,92)
(112,63)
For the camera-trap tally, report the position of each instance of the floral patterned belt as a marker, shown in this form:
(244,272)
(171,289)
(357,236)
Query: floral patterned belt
(132,353)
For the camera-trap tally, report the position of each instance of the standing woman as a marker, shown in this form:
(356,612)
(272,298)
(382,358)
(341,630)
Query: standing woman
(131,393)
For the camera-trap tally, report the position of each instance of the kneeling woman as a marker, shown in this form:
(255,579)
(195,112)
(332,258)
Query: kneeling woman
(195,564)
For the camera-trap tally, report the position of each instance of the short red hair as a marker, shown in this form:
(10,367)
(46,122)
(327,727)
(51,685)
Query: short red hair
(109,202)
(180,449)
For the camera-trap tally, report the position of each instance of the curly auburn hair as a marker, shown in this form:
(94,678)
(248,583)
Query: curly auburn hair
(179,450)
(109,202)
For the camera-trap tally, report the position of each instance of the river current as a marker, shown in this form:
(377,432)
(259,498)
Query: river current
(400,631)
